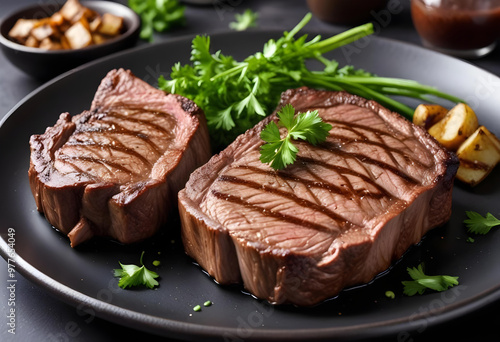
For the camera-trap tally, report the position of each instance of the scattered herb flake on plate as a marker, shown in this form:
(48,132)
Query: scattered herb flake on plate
(133,275)
(478,224)
(158,15)
(244,21)
(421,281)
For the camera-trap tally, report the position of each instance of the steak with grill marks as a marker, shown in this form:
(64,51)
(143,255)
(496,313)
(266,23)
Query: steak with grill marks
(337,217)
(115,170)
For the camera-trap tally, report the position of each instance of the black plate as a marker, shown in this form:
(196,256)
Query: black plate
(83,276)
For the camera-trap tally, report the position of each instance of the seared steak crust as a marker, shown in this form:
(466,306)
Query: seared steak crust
(337,217)
(115,169)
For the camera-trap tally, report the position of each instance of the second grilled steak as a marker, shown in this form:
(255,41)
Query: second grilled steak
(337,217)
(115,170)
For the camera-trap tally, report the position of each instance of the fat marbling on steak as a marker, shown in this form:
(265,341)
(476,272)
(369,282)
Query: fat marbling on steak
(341,214)
(115,169)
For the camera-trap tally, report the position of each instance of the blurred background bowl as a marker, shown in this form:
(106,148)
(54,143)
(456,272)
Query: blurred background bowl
(45,64)
(461,28)
(345,12)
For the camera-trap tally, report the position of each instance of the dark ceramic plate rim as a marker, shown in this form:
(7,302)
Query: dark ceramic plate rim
(133,26)
(183,329)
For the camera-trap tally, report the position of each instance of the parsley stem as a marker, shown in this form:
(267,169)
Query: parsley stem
(299,26)
(230,72)
(140,260)
(383,100)
(403,84)
(343,38)
(334,83)
(321,82)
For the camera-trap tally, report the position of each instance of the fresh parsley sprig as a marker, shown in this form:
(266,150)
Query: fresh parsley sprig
(158,15)
(281,152)
(478,224)
(133,275)
(422,282)
(235,95)
(244,21)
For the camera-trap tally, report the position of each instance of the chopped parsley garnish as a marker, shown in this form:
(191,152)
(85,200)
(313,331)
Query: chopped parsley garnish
(478,224)
(244,21)
(390,294)
(235,95)
(421,282)
(132,275)
(281,152)
(158,15)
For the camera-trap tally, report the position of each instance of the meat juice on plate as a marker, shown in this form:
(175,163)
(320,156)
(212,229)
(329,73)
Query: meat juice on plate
(464,28)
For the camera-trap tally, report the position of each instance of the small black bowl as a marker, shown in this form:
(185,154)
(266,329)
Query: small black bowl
(45,64)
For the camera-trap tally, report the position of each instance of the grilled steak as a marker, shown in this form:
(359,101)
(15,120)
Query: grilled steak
(337,217)
(115,169)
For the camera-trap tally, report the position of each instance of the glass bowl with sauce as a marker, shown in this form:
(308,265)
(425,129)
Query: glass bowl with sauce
(462,28)
(345,12)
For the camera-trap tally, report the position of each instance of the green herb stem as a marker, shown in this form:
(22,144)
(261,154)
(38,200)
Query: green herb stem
(403,84)
(236,94)
(343,38)
(298,27)
(230,72)
(339,83)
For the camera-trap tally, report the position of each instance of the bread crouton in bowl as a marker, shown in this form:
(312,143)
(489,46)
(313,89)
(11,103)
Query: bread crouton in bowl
(46,40)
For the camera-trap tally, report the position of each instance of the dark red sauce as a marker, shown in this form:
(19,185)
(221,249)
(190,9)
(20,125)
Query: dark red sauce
(457,24)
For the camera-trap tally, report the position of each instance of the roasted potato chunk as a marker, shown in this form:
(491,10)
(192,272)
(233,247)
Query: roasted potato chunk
(95,23)
(43,31)
(426,115)
(32,42)
(78,36)
(74,26)
(98,38)
(71,9)
(22,29)
(457,125)
(49,44)
(56,19)
(111,25)
(478,155)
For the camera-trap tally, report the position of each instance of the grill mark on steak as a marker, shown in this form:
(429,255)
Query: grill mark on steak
(334,147)
(390,150)
(67,159)
(115,145)
(346,140)
(327,146)
(117,128)
(141,121)
(347,124)
(320,183)
(345,171)
(350,126)
(275,214)
(109,126)
(300,201)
